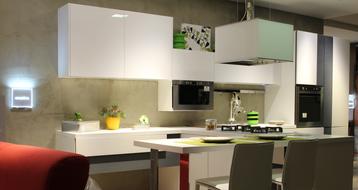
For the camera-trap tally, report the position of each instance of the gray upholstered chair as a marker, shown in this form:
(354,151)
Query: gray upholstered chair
(299,166)
(250,169)
(334,168)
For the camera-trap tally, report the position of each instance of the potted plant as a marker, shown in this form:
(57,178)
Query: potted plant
(112,116)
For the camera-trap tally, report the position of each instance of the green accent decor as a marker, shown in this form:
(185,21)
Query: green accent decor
(179,41)
(252,118)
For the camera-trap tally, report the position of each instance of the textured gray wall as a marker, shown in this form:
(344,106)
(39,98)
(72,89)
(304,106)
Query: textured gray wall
(28,52)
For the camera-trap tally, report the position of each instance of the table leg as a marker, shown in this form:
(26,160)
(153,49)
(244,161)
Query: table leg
(154,169)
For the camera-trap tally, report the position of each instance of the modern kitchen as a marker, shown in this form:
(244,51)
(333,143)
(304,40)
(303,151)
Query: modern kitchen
(178,95)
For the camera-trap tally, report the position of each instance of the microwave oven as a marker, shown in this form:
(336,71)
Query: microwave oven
(185,95)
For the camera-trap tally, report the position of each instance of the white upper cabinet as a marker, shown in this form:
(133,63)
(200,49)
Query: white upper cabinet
(96,42)
(241,74)
(192,65)
(306,58)
(90,42)
(148,46)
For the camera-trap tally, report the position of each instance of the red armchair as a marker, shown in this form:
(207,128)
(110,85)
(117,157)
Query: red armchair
(32,168)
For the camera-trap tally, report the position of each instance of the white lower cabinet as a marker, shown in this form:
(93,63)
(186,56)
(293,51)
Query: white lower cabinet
(209,164)
(219,163)
(104,144)
(198,168)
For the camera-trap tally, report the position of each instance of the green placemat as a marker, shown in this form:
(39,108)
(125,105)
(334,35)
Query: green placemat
(198,142)
(256,138)
(244,140)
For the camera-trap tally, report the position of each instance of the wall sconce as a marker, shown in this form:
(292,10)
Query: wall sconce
(21,98)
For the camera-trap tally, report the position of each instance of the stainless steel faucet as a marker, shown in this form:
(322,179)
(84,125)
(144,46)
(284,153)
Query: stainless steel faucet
(235,107)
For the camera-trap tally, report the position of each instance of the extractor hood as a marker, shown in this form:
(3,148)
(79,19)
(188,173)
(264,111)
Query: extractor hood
(253,42)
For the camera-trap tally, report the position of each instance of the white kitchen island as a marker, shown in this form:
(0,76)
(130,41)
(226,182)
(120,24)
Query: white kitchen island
(114,151)
(207,156)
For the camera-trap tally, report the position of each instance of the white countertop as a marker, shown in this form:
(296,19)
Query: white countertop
(176,145)
(164,130)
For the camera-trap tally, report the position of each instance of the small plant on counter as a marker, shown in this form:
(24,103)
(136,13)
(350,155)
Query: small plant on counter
(113,116)
(144,120)
(78,116)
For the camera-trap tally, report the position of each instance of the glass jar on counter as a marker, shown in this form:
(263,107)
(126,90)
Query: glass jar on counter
(210,124)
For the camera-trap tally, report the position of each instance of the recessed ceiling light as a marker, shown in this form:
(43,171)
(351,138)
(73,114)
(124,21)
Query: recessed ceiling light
(119,16)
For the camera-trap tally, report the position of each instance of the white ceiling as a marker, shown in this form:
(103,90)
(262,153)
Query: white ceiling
(324,9)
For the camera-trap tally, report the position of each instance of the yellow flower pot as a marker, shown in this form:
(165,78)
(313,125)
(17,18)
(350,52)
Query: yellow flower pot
(113,123)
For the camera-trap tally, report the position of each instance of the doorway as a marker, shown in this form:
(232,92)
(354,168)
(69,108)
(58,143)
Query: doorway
(353,92)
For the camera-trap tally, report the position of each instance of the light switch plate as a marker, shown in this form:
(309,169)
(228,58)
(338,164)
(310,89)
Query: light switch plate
(22,98)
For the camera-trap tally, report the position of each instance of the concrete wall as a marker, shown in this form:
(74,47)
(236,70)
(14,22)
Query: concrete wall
(2,117)
(28,54)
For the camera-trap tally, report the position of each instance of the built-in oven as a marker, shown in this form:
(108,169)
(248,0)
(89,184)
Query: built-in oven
(309,106)
(192,95)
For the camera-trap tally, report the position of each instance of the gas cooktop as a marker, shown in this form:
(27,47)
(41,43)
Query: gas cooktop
(250,129)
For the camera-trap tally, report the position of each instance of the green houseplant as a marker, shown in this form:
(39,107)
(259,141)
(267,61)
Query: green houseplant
(112,116)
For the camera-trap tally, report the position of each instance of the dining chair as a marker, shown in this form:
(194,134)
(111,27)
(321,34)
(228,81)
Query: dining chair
(250,169)
(334,168)
(299,166)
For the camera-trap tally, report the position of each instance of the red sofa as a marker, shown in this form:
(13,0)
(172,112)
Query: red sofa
(32,168)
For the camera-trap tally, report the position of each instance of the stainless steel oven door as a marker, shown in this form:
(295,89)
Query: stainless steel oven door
(193,95)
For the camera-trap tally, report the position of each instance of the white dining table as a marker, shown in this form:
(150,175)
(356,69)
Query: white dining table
(178,146)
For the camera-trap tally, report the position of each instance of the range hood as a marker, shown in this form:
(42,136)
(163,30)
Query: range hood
(254,42)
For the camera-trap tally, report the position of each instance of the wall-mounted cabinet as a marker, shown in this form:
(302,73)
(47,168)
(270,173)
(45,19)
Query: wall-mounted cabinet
(96,42)
(192,65)
(90,42)
(240,74)
(306,58)
(148,45)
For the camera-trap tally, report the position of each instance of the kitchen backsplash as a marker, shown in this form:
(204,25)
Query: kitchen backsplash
(140,97)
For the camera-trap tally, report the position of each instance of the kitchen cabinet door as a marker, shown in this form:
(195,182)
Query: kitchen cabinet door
(241,74)
(306,58)
(101,145)
(219,163)
(148,46)
(340,86)
(192,65)
(90,42)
